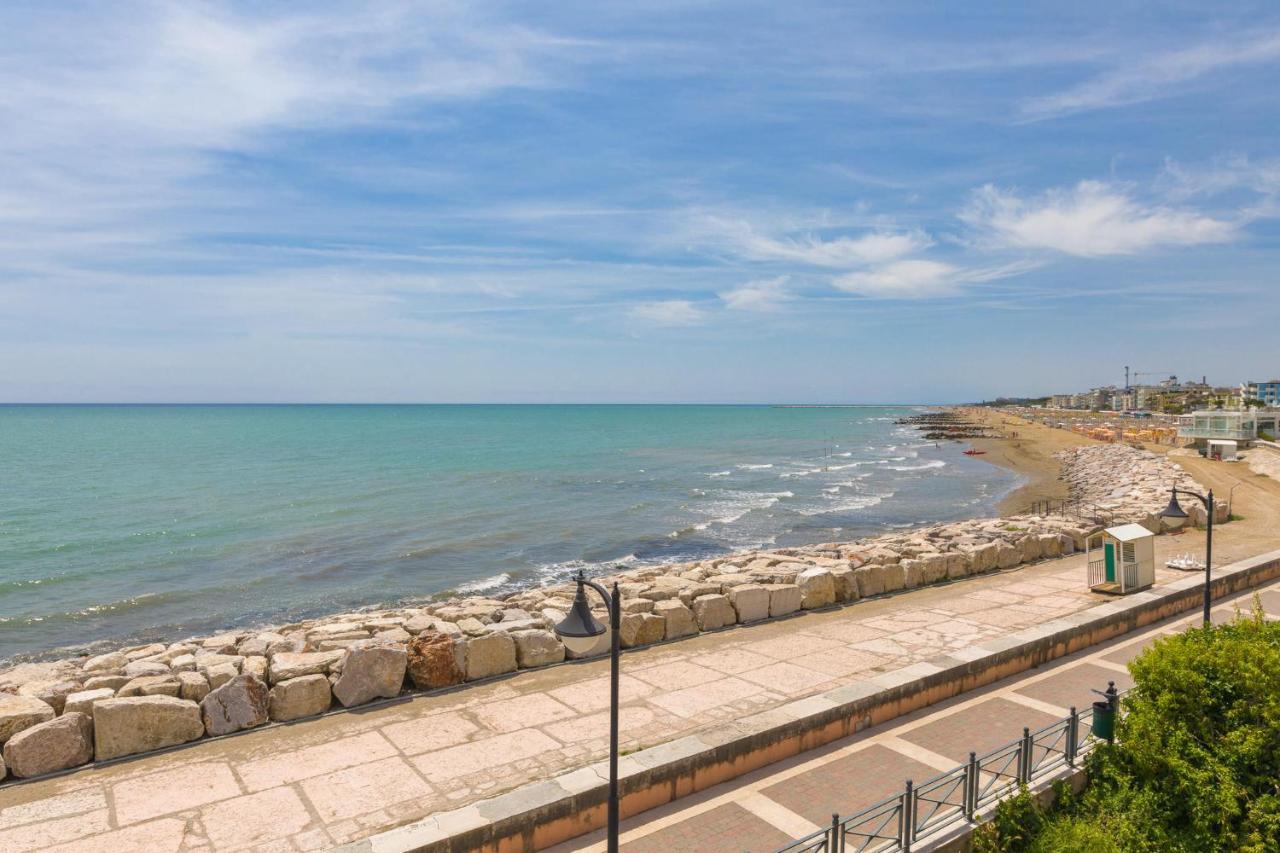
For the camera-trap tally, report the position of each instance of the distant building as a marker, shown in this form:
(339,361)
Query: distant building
(1268,393)
(1243,427)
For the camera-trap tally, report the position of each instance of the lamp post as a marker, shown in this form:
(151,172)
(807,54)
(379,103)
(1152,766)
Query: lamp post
(580,631)
(1175,516)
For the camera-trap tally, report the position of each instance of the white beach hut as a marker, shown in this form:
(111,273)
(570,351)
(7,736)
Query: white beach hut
(1122,559)
(1223,449)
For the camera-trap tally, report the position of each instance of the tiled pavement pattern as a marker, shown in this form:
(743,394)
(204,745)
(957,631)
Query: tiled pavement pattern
(318,783)
(799,795)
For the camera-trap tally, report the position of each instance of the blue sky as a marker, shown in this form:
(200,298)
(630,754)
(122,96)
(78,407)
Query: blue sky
(653,202)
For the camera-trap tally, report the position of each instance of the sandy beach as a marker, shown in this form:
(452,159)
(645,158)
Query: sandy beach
(1028,449)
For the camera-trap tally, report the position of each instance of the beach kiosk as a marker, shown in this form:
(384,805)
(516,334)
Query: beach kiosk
(1222,449)
(1122,559)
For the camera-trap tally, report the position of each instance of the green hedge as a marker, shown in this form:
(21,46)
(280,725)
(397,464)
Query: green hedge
(1196,765)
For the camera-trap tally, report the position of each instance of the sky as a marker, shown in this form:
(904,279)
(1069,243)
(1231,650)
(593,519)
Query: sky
(642,202)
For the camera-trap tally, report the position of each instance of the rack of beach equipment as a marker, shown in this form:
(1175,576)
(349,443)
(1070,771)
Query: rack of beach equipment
(1122,559)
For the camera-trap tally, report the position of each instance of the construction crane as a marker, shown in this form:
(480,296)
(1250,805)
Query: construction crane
(1138,373)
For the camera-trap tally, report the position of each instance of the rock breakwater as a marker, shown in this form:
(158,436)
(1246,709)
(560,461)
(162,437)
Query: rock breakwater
(64,713)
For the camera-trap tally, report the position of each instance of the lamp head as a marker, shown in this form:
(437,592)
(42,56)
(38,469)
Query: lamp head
(1174,515)
(580,630)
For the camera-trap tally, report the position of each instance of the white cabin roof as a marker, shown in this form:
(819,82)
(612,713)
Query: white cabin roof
(1222,442)
(1128,532)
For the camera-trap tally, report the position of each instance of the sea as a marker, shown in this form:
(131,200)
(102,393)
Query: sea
(123,524)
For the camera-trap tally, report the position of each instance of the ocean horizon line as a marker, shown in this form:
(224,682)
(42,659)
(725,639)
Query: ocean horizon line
(252,404)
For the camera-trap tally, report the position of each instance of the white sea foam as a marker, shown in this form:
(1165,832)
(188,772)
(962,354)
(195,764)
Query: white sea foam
(747,467)
(714,474)
(483,584)
(933,463)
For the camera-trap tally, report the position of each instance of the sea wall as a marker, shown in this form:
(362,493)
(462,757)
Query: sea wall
(70,712)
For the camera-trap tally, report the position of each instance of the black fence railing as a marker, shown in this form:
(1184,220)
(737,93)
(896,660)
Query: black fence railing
(897,822)
(1071,508)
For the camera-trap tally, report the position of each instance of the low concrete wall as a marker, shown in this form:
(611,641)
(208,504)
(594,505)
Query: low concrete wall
(555,810)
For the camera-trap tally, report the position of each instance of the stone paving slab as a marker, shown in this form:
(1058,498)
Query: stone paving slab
(348,775)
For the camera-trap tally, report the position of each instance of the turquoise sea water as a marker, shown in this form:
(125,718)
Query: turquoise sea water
(131,522)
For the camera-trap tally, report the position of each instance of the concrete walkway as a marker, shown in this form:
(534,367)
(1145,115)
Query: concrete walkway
(318,783)
(769,808)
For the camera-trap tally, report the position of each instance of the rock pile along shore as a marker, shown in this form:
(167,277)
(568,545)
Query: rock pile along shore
(66,713)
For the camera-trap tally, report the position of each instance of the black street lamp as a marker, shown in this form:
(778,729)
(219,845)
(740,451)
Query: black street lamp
(580,631)
(1175,516)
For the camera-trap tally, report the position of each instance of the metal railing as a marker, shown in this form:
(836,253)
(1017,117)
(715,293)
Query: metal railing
(1071,508)
(897,822)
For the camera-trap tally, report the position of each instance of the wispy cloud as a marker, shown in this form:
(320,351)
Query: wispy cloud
(668,312)
(910,279)
(1092,219)
(760,295)
(1159,76)
(870,248)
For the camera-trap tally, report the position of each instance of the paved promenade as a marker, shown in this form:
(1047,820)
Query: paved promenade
(318,783)
(764,810)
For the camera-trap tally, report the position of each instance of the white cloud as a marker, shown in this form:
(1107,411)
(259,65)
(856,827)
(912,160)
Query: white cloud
(1092,219)
(760,295)
(909,279)
(1156,76)
(873,248)
(669,312)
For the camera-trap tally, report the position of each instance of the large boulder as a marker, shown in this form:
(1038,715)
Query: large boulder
(138,668)
(82,702)
(53,693)
(537,648)
(490,654)
(304,696)
(241,703)
(713,611)
(436,659)
(817,588)
(111,682)
(846,586)
(784,598)
(1008,556)
(870,580)
(108,663)
(957,565)
(51,746)
(287,665)
(370,673)
(750,602)
(143,723)
(641,629)
(679,619)
(21,712)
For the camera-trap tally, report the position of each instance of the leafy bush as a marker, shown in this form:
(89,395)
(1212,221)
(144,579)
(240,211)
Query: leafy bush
(1196,765)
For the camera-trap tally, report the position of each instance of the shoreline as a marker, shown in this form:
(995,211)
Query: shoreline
(1030,457)
(1028,450)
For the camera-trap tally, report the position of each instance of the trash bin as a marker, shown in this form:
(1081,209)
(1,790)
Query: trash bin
(1104,720)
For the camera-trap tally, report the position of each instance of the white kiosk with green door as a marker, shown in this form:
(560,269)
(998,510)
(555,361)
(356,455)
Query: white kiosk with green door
(1122,559)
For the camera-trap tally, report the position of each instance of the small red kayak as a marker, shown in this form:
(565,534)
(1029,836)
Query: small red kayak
(972,452)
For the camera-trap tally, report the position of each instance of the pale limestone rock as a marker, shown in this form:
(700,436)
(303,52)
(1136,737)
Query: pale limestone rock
(783,599)
(51,746)
(83,701)
(641,629)
(679,620)
(21,712)
(370,673)
(111,682)
(713,611)
(472,627)
(219,674)
(258,644)
(205,660)
(110,662)
(305,696)
(817,588)
(1008,556)
(490,654)
(241,703)
(870,580)
(537,648)
(846,586)
(145,651)
(1030,546)
(287,665)
(192,686)
(139,668)
(895,576)
(183,663)
(53,693)
(143,723)
(957,565)
(151,685)
(750,602)
(255,665)
(222,644)
(637,605)
(1050,545)
(392,636)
